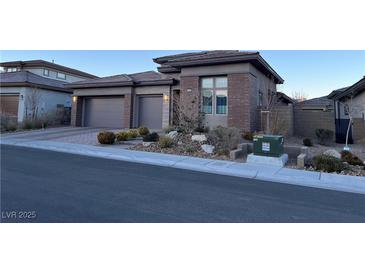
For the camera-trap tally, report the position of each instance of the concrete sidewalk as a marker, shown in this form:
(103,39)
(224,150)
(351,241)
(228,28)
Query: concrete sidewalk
(268,173)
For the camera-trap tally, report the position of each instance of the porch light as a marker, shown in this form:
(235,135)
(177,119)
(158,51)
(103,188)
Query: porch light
(74,99)
(166,98)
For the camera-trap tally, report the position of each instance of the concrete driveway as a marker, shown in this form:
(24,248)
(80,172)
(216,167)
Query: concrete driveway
(75,135)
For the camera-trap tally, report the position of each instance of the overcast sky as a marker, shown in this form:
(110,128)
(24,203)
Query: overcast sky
(314,73)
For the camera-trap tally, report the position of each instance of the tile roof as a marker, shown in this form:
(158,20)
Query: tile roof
(173,63)
(320,101)
(141,78)
(355,89)
(26,78)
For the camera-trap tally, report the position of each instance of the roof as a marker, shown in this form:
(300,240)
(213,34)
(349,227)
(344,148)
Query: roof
(135,79)
(42,63)
(173,63)
(285,98)
(353,90)
(319,101)
(26,78)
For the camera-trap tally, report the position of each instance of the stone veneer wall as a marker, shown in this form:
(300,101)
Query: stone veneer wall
(76,112)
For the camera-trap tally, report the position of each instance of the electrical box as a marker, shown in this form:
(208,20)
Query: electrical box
(268,145)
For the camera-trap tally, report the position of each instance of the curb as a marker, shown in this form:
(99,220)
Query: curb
(274,174)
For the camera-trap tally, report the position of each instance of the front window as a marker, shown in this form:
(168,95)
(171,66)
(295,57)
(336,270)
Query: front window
(46,72)
(61,75)
(214,95)
(208,101)
(11,69)
(221,101)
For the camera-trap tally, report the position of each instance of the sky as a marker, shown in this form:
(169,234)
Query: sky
(312,73)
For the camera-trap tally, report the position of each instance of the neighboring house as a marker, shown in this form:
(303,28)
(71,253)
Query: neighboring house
(350,101)
(313,114)
(37,84)
(230,87)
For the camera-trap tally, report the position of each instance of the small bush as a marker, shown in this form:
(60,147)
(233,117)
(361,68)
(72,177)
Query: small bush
(248,136)
(307,142)
(28,124)
(132,133)
(328,164)
(151,137)
(106,137)
(350,158)
(324,136)
(166,142)
(122,136)
(8,123)
(190,148)
(224,139)
(142,131)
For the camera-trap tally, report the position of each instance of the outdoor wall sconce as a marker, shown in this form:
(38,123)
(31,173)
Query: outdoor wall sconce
(166,98)
(188,90)
(74,99)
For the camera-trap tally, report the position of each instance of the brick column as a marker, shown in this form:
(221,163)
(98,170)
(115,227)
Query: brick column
(128,110)
(189,95)
(76,112)
(239,101)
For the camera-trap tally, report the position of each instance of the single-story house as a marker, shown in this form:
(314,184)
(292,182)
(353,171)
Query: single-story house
(37,86)
(350,101)
(229,87)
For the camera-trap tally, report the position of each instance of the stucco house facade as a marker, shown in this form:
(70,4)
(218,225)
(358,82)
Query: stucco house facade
(350,101)
(24,84)
(229,87)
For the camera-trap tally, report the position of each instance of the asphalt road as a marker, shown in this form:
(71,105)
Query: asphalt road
(45,186)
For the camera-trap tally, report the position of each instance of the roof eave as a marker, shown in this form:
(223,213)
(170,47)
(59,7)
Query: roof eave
(27,84)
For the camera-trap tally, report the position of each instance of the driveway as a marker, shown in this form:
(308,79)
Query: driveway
(75,135)
(59,187)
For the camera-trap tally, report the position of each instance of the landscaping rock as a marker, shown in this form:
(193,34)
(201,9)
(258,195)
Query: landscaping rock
(207,148)
(172,134)
(236,153)
(180,143)
(147,144)
(199,138)
(333,153)
(301,160)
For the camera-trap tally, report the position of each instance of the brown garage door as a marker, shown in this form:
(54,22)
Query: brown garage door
(9,105)
(150,111)
(105,112)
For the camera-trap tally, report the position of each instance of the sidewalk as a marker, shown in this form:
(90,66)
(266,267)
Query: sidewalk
(267,173)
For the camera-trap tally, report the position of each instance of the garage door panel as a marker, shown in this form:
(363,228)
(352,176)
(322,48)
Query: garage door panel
(9,105)
(104,112)
(150,111)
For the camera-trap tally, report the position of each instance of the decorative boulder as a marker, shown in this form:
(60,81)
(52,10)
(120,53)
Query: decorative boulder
(172,134)
(179,143)
(207,148)
(199,138)
(333,153)
(147,144)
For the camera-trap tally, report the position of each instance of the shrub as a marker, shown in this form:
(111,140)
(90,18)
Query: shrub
(142,131)
(224,139)
(8,123)
(248,136)
(106,137)
(324,136)
(132,133)
(122,136)
(151,137)
(166,142)
(28,124)
(350,158)
(328,163)
(307,142)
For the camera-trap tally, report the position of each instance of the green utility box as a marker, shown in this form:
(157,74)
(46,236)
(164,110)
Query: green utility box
(268,145)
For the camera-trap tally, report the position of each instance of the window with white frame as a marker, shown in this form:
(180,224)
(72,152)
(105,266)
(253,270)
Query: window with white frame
(214,95)
(61,75)
(11,69)
(46,72)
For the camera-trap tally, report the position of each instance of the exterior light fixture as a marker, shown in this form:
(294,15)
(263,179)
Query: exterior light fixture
(165,98)
(74,99)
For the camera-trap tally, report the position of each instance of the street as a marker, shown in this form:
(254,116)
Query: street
(46,186)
